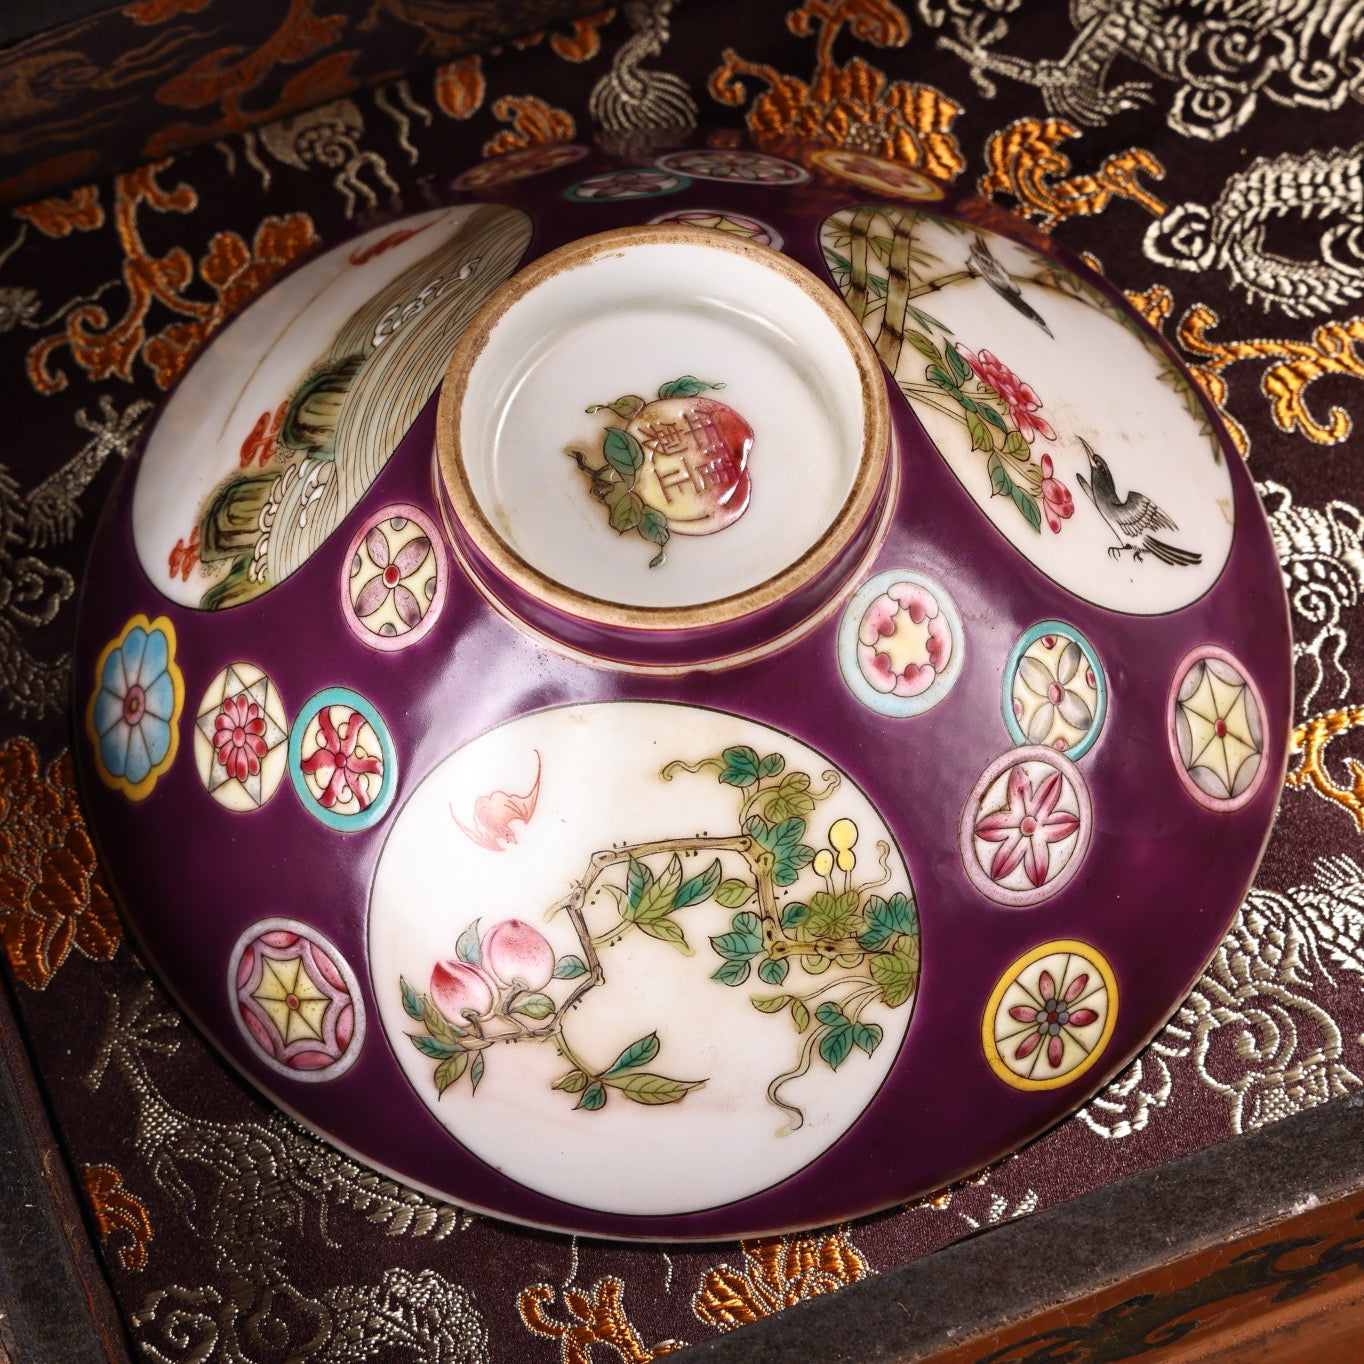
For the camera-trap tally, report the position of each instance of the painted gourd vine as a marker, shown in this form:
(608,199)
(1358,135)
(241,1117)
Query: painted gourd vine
(825,942)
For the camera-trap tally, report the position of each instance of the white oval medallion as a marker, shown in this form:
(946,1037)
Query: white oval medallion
(1071,428)
(662,998)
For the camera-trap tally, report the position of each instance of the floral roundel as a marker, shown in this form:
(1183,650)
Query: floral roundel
(1051,1015)
(1055,693)
(395,579)
(1217,729)
(518,165)
(876,173)
(644,183)
(750,168)
(341,760)
(296,1000)
(1026,826)
(736,224)
(240,738)
(900,643)
(133,715)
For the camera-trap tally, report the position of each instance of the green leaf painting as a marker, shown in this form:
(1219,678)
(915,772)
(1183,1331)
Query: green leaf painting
(733,892)
(688,386)
(623,453)
(636,1054)
(467,948)
(740,767)
(1000,415)
(786,895)
(644,1088)
(897,972)
(411,1003)
(593,1097)
(698,888)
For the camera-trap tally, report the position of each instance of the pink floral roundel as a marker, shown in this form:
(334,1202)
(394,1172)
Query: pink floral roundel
(241,736)
(643,183)
(1026,826)
(876,174)
(341,760)
(395,578)
(900,643)
(296,1000)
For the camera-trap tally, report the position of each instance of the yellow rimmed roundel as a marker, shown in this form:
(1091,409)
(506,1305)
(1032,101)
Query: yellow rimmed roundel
(132,719)
(1051,1016)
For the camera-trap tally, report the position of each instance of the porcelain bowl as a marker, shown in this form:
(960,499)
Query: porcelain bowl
(683,695)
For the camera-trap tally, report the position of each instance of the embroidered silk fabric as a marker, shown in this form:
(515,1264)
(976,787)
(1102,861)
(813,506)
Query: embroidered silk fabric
(1215,173)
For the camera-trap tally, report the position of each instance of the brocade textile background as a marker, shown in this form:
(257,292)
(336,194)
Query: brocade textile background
(1208,158)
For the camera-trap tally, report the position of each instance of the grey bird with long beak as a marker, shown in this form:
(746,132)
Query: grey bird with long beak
(1132,518)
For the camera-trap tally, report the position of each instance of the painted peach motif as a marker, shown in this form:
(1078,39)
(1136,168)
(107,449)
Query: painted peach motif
(517,953)
(677,462)
(457,987)
(695,462)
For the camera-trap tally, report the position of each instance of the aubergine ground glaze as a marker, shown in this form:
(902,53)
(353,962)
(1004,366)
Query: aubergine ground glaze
(697,731)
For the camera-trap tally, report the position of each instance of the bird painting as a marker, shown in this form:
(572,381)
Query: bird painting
(1132,518)
(981,262)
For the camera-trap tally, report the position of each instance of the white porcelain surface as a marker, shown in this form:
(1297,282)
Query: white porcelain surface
(560,786)
(389,299)
(630,321)
(1054,367)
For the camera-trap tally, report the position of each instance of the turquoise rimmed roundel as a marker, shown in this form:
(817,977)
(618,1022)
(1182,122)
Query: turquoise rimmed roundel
(1055,692)
(342,761)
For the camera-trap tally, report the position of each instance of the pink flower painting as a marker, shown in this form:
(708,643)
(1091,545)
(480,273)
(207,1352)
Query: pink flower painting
(1057,503)
(343,771)
(1020,398)
(239,737)
(1027,826)
(1049,1018)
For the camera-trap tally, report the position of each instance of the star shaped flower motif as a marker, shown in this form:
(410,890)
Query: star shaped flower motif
(1027,826)
(1048,1019)
(240,724)
(1051,1015)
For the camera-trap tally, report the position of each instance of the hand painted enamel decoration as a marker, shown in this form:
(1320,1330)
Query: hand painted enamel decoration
(683,697)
